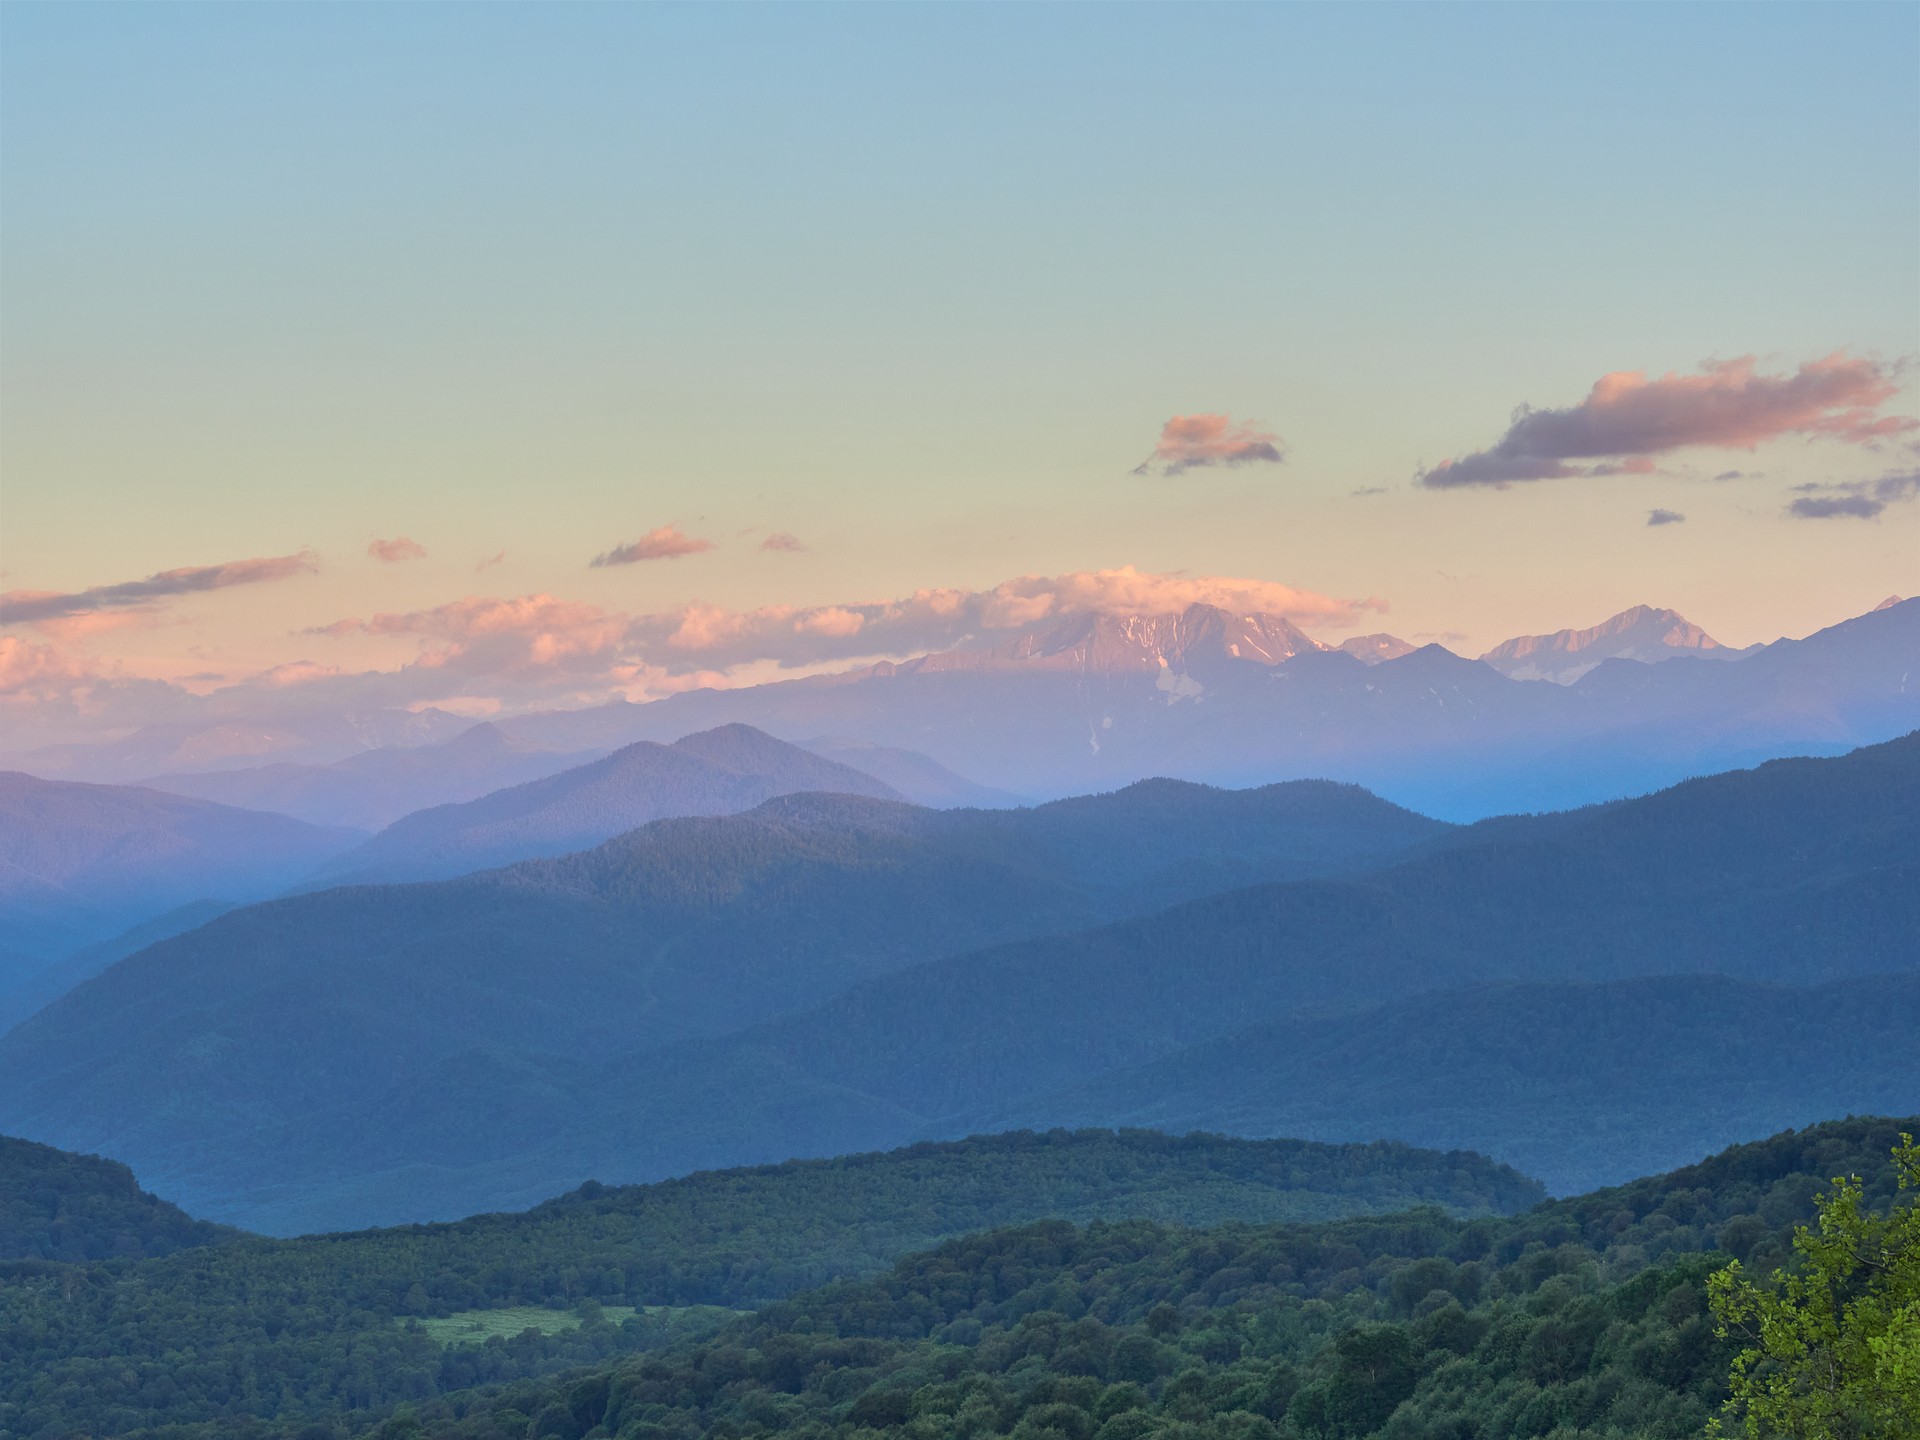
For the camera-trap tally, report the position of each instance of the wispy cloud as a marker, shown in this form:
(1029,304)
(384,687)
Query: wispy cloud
(1664,517)
(392,552)
(666,543)
(27,606)
(781,540)
(1189,442)
(492,560)
(1626,419)
(1855,499)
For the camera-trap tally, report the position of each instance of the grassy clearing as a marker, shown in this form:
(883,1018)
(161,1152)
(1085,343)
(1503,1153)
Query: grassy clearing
(476,1327)
(659,1324)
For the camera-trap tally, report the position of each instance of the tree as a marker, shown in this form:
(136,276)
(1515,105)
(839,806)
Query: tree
(1832,1348)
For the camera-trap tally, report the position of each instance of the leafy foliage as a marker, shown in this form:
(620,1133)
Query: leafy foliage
(1833,1349)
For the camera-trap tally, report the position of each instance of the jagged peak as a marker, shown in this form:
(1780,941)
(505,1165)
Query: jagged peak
(1674,631)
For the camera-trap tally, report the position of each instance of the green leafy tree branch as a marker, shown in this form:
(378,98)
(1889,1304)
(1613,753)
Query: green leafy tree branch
(1832,1348)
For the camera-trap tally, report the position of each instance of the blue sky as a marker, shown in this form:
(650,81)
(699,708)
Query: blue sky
(920,285)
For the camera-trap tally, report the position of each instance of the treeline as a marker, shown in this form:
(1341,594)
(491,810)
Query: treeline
(1583,1320)
(1580,1319)
(322,1325)
(75,1208)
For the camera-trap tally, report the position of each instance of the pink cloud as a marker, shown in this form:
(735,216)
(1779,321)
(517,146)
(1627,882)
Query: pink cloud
(29,606)
(392,552)
(1626,419)
(781,540)
(666,543)
(928,620)
(485,653)
(1190,441)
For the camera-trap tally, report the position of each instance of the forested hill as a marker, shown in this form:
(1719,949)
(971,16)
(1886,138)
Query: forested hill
(1584,1313)
(266,1326)
(1581,1320)
(683,929)
(73,1208)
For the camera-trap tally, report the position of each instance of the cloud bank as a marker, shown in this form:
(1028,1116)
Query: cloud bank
(1627,419)
(27,606)
(520,637)
(666,543)
(1189,442)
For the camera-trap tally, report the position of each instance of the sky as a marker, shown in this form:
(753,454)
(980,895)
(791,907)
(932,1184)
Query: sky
(498,356)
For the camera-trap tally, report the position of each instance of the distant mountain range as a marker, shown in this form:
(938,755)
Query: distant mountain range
(93,873)
(372,789)
(835,973)
(1206,695)
(1085,702)
(1642,633)
(80,863)
(236,742)
(715,772)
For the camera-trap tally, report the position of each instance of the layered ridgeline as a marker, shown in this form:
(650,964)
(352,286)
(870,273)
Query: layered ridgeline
(1087,702)
(260,1327)
(716,772)
(81,863)
(429,1028)
(1585,1313)
(375,788)
(1083,702)
(642,1011)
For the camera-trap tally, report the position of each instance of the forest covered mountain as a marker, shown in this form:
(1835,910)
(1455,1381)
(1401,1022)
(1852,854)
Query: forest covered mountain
(55,1205)
(683,929)
(1088,1322)
(642,1009)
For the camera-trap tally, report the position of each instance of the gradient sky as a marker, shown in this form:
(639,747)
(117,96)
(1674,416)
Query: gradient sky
(919,286)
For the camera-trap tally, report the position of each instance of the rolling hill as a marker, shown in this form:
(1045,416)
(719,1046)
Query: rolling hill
(1110,1315)
(1577,1084)
(77,1208)
(302,1021)
(1801,873)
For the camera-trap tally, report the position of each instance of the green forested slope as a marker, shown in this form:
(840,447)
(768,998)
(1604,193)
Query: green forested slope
(1584,1319)
(350,1056)
(277,1328)
(59,1206)
(1575,1084)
